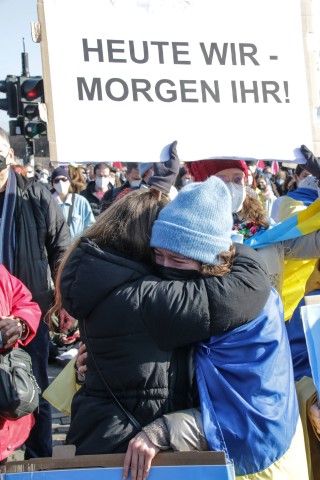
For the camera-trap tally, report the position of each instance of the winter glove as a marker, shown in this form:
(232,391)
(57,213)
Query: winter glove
(313,163)
(166,173)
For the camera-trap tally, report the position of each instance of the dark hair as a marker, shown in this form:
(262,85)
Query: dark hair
(99,166)
(124,227)
(132,166)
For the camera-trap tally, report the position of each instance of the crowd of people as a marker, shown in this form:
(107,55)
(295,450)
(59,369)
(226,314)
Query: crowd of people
(190,340)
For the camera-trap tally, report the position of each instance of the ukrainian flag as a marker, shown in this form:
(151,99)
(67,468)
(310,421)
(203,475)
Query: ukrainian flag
(306,220)
(247,392)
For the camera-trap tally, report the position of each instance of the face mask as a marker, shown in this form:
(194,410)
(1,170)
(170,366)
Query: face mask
(30,174)
(3,163)
(135,183)
(169,273)
(102,182)
(44,179)
(268,175)
(280,181)
(62,187)
(112,180)
(38,171)
(238,194)
(250,180)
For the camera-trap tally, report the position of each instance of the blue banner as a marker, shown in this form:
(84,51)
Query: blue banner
(194,472)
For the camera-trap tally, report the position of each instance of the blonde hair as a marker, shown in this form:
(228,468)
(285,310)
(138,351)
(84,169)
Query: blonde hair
(77,181)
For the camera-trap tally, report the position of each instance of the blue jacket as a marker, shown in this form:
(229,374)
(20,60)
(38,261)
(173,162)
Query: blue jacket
(82,216)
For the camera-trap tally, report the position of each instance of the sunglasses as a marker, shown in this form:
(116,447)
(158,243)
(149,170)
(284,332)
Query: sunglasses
(57,180)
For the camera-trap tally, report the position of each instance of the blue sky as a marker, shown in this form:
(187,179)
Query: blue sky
(16,16)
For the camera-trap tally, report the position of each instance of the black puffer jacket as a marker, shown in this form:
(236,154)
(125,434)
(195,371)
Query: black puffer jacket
(94,201)
(42,237)
(135,324)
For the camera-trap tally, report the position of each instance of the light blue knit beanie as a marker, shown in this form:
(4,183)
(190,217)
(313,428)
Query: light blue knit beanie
(197,223)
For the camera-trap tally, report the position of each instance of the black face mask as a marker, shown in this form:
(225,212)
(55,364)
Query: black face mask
(169,273)
(3,162)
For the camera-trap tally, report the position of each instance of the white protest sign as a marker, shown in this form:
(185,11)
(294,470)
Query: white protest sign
(224,79)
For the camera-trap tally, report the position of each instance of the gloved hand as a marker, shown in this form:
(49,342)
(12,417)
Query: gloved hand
(313,163)
(165,173)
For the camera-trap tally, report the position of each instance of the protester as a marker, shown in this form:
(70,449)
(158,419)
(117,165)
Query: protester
(138,328)
(295,272)
(29,171)
(246,412)
(267,172)
(77,180)
(95,190)
(37,171)
(75,208)
(133,180)
(19,169)
(19,320)
(265,192)
(251,219)
(44,178)
(281,180)
(296,201)
(307,394)
(300,173)
(34,236)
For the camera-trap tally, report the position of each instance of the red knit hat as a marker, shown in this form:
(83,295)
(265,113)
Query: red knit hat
(203,169)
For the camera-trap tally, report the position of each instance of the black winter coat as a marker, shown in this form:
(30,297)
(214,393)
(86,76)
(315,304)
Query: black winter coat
(135,326)
(110,195)
(94,201)
(42,237)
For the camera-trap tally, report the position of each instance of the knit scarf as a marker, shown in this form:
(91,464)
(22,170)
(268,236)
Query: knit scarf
(7,227)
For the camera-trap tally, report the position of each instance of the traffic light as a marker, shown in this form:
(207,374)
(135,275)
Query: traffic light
(31,96)
(10,104)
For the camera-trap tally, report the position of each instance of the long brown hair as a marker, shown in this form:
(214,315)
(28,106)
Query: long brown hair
(124,227)
(253,210)
(77,181)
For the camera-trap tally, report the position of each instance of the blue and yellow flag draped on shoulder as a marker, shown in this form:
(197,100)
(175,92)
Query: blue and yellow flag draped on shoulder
(247,391)
(305,221)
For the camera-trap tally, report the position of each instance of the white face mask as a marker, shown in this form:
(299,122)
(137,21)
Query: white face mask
(44,178)
(30,174)
(135,183)
(102,182)
(62,187)
(238,194)
(112,180)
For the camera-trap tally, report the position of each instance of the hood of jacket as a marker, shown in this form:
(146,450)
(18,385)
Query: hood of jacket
(91,274)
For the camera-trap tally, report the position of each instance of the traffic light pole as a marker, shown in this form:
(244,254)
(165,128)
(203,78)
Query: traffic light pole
(25,61)
(29,150)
